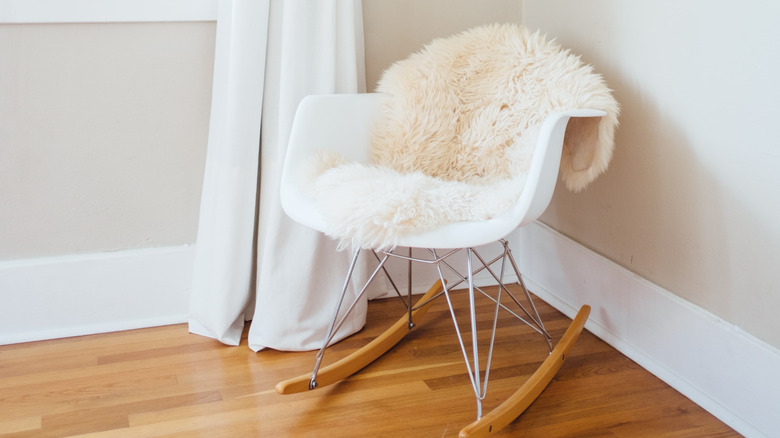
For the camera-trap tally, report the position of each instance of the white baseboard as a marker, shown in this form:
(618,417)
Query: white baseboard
(728,372)
(75,295)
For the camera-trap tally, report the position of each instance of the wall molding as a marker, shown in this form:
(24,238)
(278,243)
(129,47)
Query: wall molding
(106,11)
(74,295)
(719,366)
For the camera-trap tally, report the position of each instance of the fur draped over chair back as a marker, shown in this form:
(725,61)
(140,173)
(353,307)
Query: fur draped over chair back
(457,133)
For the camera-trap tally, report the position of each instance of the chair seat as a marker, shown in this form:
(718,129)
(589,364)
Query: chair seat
(341,123)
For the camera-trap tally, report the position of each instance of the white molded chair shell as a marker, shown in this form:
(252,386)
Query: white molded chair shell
(343,123)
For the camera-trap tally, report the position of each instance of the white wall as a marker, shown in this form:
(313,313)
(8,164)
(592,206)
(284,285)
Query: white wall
(396,28)
(692,199)
(104,114)
(102,135)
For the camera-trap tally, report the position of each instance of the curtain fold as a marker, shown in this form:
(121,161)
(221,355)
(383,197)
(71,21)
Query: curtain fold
(314,48)
(223,265)
(280,51)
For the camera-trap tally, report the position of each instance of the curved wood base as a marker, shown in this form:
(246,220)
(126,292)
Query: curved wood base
(518,402)
(360,359)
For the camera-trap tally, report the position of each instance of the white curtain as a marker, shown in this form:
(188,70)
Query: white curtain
(252,262)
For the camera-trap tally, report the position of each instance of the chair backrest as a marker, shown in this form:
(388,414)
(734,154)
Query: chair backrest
(466,108)
(335,122)
(342,123)
(468,130)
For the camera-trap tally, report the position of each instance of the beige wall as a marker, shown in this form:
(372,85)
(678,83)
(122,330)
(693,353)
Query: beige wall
(692,199)
(396,28)
(103,133)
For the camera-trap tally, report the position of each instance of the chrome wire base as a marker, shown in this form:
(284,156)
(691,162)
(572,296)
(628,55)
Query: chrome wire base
(496,267)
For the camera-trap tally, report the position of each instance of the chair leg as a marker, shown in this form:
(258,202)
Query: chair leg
(532,317)
(505,413)
(518,402)
(365,355)
(335,323)
(536,318)
(478,388)
(478,383)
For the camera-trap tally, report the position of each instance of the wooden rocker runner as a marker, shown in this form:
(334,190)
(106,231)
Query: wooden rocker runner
(463,143)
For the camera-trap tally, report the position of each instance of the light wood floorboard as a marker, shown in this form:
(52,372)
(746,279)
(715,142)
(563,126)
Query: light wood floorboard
(164,382)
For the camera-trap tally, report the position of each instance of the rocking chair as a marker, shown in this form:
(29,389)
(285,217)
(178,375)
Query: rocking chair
(346,124)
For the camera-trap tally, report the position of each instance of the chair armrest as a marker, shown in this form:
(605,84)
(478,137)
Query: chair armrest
(545,167)
(337,122)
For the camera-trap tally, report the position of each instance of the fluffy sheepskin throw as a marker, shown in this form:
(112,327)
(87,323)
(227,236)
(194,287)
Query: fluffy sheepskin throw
(460,121)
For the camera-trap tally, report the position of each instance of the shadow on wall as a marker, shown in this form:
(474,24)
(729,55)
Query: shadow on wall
(660,212)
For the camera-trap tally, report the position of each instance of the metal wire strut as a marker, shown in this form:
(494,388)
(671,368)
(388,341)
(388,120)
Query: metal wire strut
(499,416)
(336,323)
(532,318)
(472,356)
(479,382)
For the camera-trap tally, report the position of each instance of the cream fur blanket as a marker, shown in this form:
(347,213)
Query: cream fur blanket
(457,135)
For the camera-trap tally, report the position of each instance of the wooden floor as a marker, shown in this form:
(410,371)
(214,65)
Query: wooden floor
(164,382)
